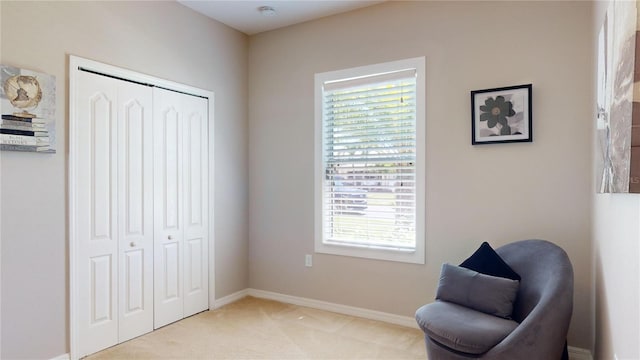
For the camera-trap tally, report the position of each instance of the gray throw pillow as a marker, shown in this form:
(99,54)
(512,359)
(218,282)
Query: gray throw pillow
(488,294)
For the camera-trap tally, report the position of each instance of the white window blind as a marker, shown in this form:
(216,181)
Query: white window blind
(369,169)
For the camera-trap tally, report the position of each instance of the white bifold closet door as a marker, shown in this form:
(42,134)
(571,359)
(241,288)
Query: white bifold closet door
(181,207)
(115,217)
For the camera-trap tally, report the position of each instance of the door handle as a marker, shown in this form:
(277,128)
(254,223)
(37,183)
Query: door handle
(132,244)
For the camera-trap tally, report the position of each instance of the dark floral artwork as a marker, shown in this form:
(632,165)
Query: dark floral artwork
(501,115)
(496,112)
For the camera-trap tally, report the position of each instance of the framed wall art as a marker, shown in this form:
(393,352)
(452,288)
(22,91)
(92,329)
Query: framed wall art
(27,106)
(618,101)
(501,115)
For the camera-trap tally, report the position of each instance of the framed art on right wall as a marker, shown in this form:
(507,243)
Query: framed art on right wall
(501,115)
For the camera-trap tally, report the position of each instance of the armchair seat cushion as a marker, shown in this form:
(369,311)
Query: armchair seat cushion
(463,329)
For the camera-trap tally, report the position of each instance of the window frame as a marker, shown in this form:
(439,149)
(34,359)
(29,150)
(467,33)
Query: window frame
(417,256)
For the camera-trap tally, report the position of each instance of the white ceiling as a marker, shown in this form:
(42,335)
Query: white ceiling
(243,15)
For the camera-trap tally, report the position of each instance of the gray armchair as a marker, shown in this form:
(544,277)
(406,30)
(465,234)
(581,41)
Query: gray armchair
(540,320)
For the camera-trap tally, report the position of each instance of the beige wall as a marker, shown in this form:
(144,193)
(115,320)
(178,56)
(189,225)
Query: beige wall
(617,275)
(497,193)
(163,39)
(616,243)
(468,46)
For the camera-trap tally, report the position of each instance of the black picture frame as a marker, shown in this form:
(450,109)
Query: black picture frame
(502,115)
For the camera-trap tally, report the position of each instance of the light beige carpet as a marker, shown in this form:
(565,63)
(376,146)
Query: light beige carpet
(254,328)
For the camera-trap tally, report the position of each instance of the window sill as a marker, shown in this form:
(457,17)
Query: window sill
(415,256)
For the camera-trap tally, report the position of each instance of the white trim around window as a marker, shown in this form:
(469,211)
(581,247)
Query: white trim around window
(370,161)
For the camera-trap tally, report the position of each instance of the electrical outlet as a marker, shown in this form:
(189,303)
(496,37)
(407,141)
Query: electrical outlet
(308,261)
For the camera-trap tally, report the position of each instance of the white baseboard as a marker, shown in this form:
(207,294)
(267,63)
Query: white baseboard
(230,298)
(579,354)
(61,357)
(337,308)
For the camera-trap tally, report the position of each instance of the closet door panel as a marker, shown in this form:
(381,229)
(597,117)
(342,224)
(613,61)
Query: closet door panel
(135,201)
(139,223)
(196,199)
(133,301)
(171,261)
(171,161)
(97,221)
(168,212)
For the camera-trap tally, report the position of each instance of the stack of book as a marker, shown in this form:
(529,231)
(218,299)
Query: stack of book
(23,132)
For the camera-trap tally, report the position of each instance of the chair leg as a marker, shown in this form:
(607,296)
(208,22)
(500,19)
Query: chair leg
(565,352)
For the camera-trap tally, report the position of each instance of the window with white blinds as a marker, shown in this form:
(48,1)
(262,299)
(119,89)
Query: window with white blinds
(369,161)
